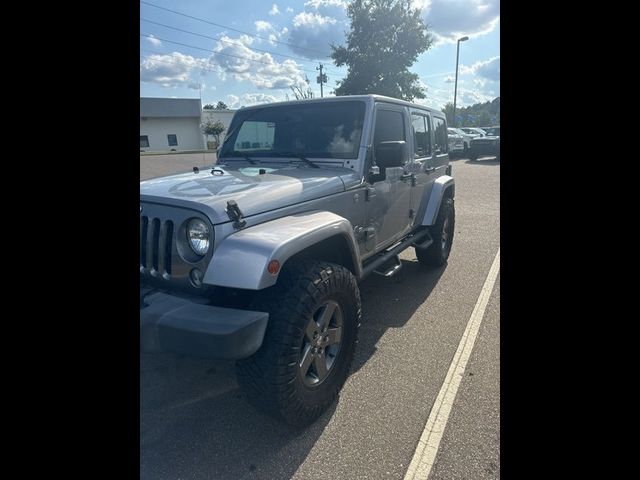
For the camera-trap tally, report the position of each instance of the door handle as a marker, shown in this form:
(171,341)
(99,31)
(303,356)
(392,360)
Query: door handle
(404,176)
(429,169)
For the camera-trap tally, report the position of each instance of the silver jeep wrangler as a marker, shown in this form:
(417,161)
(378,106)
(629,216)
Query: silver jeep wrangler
(258,259)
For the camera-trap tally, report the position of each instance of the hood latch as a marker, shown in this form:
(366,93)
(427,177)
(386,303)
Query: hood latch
(235,214)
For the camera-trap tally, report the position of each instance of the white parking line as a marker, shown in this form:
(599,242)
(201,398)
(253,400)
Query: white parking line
(425,454)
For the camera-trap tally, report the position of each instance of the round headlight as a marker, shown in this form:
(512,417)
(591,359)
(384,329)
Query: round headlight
(198,236)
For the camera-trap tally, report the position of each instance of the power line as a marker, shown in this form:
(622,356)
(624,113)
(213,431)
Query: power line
(181,62)
(226,41)
(233,29)
(208,50)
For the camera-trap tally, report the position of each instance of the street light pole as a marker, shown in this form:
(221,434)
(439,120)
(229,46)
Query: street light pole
(455,88)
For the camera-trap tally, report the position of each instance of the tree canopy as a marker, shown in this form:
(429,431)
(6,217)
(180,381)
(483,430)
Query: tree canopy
(385,39)
(476,115)
(218,106)
(215,128)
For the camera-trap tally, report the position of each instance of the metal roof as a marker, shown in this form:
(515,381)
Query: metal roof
(370,98)
(170,107)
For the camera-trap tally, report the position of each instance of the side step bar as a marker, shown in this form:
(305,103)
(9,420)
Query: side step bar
(395,268)
(421,239)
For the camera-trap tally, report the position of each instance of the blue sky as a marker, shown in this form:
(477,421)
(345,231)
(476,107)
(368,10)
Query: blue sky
(186,57)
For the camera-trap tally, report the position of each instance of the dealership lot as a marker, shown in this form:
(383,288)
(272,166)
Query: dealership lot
(195,423)
(152,166)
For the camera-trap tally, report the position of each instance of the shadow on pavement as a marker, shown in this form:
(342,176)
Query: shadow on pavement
(390,303)
(484,161)
(195,424)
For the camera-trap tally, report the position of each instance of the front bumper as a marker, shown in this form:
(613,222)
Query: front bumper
(175,324)
(484,149)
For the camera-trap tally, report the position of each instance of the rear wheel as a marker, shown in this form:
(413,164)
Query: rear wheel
(442,233)
(314,313)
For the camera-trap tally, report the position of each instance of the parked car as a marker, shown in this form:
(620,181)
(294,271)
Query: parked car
(466,137)
(456,143)
(258,260)
(474,131)
(487,145)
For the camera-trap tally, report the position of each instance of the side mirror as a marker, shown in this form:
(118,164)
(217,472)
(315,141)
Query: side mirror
(391,154)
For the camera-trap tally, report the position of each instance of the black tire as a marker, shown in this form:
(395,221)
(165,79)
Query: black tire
(442,232)
(272,378)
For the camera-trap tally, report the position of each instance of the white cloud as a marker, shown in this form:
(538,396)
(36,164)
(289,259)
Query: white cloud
(449,79)
(489,69)
(248,99)
(196,85)
(154,41)
(449,20)
(322,23)
(274,10)
(289,10)
(170,70)
(262,26)
(468,97)
(238,61)
(312,19)
(326,4)
(233,101)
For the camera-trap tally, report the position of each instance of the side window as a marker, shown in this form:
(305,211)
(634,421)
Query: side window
(172,138)
(440,135)
(144,141)
(421,135)
(389,126)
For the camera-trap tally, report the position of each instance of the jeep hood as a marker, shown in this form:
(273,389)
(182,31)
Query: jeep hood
(280,186)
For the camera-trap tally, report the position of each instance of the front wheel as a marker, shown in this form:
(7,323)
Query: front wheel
(314,313)
(438,252)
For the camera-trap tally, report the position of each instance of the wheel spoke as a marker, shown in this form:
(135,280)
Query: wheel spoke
(320,362)
(312,328)
(334,335)
(325,316)
(307,358)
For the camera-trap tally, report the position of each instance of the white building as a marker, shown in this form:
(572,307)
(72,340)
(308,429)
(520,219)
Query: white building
(168,124)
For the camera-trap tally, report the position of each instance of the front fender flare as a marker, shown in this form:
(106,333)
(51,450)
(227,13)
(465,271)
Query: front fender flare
(440,187)
(241,259)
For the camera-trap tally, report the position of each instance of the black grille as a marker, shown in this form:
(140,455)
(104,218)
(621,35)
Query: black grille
(156,238)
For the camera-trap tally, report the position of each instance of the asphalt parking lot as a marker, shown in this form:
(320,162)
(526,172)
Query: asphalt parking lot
(152,166)
(195,424)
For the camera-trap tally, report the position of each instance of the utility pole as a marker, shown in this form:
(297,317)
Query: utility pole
(322,78)
(455,89)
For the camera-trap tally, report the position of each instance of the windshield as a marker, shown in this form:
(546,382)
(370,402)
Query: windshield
(315,130)
(493,132)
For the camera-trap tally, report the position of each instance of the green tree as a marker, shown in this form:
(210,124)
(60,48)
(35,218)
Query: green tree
(385,39)
(217,106)
(448,111)
(214,128)
(484,120)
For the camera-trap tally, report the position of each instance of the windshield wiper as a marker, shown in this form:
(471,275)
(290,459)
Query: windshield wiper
(296,155)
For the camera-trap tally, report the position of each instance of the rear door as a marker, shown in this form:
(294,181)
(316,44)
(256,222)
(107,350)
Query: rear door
(423,153)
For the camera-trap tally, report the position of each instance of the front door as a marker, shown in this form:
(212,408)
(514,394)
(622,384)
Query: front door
(389,198)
